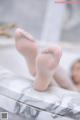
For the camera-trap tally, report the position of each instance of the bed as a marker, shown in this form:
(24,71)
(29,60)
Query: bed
(21,101)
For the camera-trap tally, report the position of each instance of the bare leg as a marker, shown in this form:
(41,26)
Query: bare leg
(46,65)
(27,46)
(63,79)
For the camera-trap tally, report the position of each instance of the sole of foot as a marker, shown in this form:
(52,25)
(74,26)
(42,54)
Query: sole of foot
(27,46)
(46,65)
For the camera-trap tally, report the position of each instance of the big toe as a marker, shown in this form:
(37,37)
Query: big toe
(20,33)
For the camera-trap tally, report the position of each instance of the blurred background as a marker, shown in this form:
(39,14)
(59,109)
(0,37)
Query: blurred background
(37,15)
(46,20)
(27,14)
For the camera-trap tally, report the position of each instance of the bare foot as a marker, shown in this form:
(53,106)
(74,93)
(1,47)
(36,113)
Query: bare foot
(27,46)
(46,65)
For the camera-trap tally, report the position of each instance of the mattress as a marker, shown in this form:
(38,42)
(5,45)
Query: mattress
(18,98)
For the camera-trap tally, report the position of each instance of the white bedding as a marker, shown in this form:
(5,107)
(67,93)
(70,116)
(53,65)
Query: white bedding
(12,60)
(68,58)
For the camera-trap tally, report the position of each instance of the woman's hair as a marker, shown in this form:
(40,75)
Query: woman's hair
(73,65)
(77,61)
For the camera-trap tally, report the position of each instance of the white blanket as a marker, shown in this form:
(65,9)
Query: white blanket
(12,60)
(68,58)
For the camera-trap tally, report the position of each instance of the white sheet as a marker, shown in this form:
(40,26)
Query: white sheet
(68,58)
(12,60)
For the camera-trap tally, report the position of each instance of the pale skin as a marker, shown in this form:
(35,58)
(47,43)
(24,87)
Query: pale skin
(44,66)
(76,74)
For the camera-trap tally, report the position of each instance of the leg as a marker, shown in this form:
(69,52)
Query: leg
(63,79)
(46,65)
(27,46)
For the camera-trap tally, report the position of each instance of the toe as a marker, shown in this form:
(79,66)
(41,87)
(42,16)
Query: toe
(55,51)
(21,33)
(17,33)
